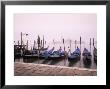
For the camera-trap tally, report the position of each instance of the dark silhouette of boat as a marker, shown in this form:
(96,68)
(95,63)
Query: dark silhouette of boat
(30,54)
(87,58)
(23,52)
(18,53)
(95,54)
(86,55)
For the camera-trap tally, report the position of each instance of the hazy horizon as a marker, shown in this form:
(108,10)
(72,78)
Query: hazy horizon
(55,26)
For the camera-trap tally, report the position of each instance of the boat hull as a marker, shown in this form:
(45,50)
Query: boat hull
(70,59)
(56,58)
(87,57)
(30,56)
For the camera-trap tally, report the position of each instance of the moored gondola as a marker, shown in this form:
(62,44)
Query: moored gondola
(33,53)
(59,54)
(75,55)
(45,54)
(86,55)
(95,54)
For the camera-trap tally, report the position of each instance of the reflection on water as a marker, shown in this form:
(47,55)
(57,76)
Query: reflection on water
(73,63)
(87,63)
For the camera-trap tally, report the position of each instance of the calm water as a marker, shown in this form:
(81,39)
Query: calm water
(64,62)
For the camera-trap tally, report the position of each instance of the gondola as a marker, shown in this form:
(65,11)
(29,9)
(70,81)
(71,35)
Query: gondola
(30,54)
(75,55)
(33,53)
(57,55)
(86,55)
(95,54)
(46,53)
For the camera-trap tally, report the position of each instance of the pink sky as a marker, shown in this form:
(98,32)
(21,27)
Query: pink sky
(55,26)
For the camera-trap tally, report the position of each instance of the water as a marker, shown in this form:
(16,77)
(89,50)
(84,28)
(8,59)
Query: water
(64,62)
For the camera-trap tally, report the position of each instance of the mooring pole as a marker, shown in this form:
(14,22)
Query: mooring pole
(80,51)
(64,52)
(21,44)
(93,42)
(90,44)
(18,42)
(27,44)
(75,44)
(38,47)
(64,43)
(41,44)
(80,43)
(70,46)
(43,41)
(34,45)
(90,41)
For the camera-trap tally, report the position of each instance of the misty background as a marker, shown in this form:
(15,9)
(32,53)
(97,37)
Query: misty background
(55,26)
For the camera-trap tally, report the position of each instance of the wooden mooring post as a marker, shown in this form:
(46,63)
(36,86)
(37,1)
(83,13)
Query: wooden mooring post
(90,44)
(18,42)
(64,52)
(70,46)
(27,45)
(38,41)
(75,44)
(80,43)
(21,45)
(93,42)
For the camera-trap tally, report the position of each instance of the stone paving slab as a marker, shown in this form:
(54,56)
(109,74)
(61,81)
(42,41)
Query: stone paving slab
(32,69)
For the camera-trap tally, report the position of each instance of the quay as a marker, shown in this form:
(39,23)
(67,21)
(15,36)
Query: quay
(32,69)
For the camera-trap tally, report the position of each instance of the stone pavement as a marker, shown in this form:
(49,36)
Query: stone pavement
(31,69)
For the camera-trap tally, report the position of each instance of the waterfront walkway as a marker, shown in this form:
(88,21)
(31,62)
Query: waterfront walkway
(31,69)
